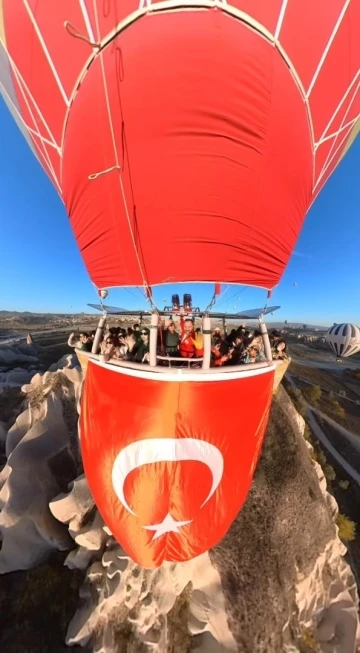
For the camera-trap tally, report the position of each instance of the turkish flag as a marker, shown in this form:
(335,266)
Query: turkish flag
(169,462)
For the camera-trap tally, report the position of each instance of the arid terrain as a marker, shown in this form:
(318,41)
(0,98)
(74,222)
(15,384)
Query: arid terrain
(13,323)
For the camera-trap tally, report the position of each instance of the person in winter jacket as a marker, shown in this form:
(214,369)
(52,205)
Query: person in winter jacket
(171,339)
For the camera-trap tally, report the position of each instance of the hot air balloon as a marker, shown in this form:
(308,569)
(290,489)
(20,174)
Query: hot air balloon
(154,160)
(344,339)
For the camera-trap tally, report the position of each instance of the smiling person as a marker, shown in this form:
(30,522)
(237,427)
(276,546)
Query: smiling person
(186,346)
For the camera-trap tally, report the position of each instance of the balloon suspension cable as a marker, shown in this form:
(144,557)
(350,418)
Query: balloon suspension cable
(148,297)
(268,296)
(101,294)
(104,311)
(265,306)
(211,304)
(228,299)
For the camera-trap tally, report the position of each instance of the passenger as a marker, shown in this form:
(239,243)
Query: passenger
(216,335)
(75,341)
(171,339)
(258,341)
(130,341)
(238,346)
(230,339)
(121,348)
(220,353)
(186,346)
(107,347)
(253,354)
(86,342)
(278,346)
(140,353)
(137,333)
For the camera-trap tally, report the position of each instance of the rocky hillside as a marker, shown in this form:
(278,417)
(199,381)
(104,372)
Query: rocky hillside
(277,583)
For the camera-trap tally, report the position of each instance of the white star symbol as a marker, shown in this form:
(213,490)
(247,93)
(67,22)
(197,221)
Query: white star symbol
(169,525)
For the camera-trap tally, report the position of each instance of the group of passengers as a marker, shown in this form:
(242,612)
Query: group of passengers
(240,346)
(118,343)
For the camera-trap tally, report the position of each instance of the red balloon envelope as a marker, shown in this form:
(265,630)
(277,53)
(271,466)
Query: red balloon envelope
(204,128)
(187,141)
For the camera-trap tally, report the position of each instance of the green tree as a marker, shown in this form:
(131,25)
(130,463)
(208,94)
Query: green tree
(313,393)
(347,528)
(338,409)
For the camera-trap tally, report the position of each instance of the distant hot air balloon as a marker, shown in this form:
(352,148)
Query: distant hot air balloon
(103,293)
(150,196)
(344,339)
(295,284)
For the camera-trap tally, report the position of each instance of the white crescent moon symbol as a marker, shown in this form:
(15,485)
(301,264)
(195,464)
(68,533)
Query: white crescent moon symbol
(156,450)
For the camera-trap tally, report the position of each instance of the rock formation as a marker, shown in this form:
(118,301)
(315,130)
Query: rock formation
(42,459)
(22,353)
(278,581)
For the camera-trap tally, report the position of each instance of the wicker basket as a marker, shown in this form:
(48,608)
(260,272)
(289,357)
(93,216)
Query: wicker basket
(281,367)
(83,358)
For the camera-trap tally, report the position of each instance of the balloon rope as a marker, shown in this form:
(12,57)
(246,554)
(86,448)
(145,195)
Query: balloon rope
(95,175)
(238,292)
(223,293)
(117,163)
(72,31)
(215,299)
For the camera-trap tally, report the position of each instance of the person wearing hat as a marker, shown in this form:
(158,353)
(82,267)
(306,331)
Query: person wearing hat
(216,335)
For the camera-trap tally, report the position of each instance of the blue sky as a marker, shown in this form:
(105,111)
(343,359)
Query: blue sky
(41,268)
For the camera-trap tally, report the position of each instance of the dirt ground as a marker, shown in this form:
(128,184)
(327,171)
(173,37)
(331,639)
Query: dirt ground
(330,382)
(36,607)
